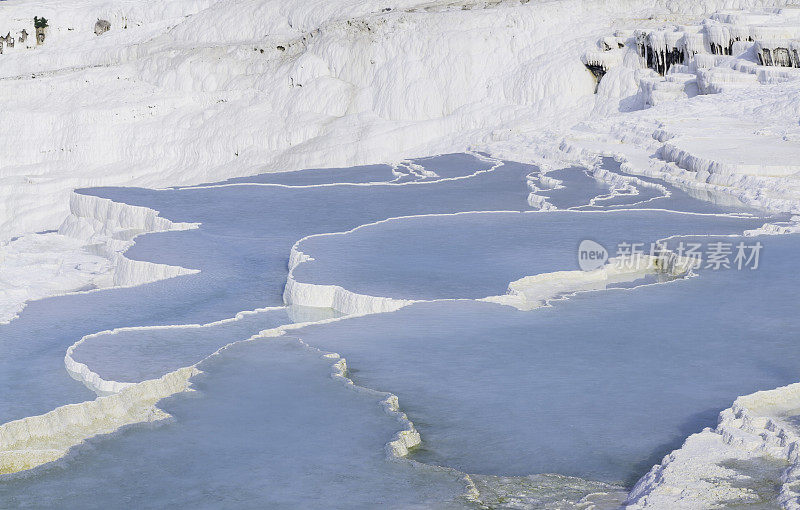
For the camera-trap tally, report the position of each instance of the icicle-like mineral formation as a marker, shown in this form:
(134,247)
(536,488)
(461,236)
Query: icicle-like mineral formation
(723,51)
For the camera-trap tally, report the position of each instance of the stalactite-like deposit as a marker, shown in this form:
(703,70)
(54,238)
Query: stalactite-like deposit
(778,53)
(732,39)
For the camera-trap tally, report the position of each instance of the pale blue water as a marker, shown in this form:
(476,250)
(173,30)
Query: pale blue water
(268,428)
(599,386)
(242,250)
(248,231)
(140,354)
(477,255)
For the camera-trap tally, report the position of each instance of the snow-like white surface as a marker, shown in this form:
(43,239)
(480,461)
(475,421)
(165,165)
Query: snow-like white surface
(712,466)
(36,440)
(538,290)
(85,253)
(146,347)
(118,360)
(192,91)
(200,90)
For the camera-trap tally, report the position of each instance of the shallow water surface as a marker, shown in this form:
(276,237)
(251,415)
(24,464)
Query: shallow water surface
(598,386)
